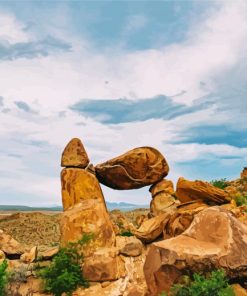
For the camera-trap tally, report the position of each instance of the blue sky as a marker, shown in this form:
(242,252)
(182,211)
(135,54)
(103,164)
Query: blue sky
(120,74)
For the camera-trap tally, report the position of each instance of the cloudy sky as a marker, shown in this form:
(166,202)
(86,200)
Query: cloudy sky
(120,74)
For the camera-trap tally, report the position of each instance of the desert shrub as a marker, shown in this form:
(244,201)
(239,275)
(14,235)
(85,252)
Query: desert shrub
(214,285)
(220,183)
(241,201)
(3,277)
(126,233)
(64,274)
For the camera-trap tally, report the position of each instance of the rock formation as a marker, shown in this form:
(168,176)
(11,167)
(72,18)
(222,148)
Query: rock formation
(134,169)
(214,240)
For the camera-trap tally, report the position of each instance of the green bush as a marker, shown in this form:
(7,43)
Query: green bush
(126,233)
(64,274)
(214,285)
(241,201)
(3,277)
(220,183)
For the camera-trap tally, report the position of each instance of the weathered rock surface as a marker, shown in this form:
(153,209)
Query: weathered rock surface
(104,265)
(2,255)
(136,168)
(214,240)
(238,290)
(91,217)
(30,256)
(49,253)
(74,155)
(129,246)
(79,185)
(9,245)
(164,185)
(194,190)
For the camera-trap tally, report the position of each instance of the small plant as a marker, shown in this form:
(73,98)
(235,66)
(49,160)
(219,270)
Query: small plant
(126,233)
(220,183)
(3,277)
(241,201)
(64,274)
(214,285)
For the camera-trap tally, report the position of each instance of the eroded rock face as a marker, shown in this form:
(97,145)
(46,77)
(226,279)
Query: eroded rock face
(88,216)
(194,190)
(79,185)
(74,155)
(214,240)
(129,246)
(136,168)
(9,245)
(104,265)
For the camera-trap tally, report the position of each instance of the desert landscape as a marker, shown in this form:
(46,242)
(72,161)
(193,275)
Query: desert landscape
(192,234)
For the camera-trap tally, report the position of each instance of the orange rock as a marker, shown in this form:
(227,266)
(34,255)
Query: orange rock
(74,155)
(161,202)
(129,246)
(214,240)
(194,190)
(9,245)
(165,186)
(238,290)
(79,185)
(88,216)
(134,169)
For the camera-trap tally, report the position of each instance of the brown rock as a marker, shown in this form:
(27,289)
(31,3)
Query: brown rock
(244,173)
(136,168)
(194,190)
(9,245)
(129,246)
(214,240)
(48,254)
(161,202)
(165,186)
(88,216)
(152,228)
(30,256)
(74,155)
(103,265)
(79,185)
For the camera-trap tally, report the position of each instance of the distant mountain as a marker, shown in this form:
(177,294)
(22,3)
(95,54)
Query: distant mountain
(123,206)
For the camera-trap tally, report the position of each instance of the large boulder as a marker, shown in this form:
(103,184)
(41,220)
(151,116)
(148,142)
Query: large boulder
(215,239)
(194,190)
(87,217)
(129,246)
(79,185)
(162,197)
(136,168)
(9,245)
(74,155)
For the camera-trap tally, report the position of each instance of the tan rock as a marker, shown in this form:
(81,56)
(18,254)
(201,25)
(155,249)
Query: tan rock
(165,186)
(161,202)
(2,255)
(49,253)
(90,217)
(238,290)
(136,168)
(79,185)
(104,265)
(9,245)
(214,240)
(152,228)
(129,246)
(30,256)
(74,155)
(194,190)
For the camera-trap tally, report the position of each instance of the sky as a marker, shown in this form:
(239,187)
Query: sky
(119,75)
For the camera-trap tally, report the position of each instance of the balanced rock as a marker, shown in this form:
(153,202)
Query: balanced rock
(104,265)
(214,240)
(79,185)
(129,246)
(162,197)
(136,168)
(9,245)
(194,190)
(87,217)
(74,155)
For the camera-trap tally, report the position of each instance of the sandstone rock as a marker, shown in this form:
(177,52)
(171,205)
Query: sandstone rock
(181,219)
(30,256)
(152,228)
(244,173)
(194,190)
(104,265)
(129,246)
(136,291)
(78,185)
(238,290)
(9,245)
(164,185)
(161,202)
(48,254)
(2,255)
(74,155)
(88,216)
(136,168)
(214,240)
